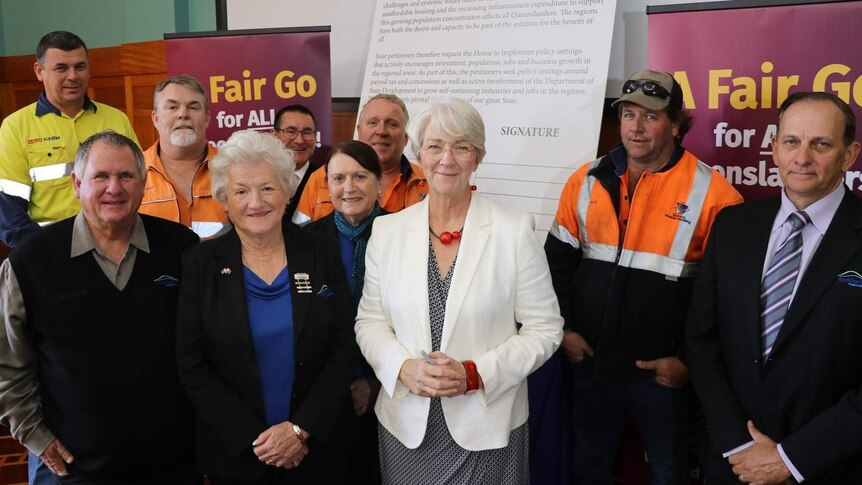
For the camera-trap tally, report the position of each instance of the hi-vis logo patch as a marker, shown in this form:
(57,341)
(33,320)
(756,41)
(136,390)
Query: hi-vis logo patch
(43,139)
(678,213)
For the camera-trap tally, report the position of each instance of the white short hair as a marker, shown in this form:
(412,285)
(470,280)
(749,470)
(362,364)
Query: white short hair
(252,146)
(453,117)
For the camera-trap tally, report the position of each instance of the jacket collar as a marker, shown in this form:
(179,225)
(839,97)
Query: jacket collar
(300,259)
(618,157)
(477,229)
(841,243)
(43,106)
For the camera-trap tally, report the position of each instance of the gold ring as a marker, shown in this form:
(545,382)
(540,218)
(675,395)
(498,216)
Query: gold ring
(296,463)
(270,463)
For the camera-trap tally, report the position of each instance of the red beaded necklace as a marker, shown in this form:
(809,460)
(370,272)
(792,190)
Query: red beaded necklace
(447,237)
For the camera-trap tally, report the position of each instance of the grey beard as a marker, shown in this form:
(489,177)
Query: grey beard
(184,137)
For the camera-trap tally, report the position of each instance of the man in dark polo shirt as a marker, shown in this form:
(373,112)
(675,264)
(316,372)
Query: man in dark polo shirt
(88,376)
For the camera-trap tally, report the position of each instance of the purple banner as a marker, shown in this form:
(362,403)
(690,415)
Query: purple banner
(250,76)
(736,66)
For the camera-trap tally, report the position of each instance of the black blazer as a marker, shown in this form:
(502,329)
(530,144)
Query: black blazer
(808,396)
(216,357)
(326,225)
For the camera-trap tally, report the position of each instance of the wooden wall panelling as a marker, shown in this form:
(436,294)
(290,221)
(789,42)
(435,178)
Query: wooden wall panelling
(19,68)
(144,64)
(20,86)
(26,92)
(7,98)
(144,58)
(106,61)
(140,91)
(110,71)
(343,126)
(109,90)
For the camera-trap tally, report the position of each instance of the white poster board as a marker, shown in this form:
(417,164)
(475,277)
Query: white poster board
(535,70)
(351,22)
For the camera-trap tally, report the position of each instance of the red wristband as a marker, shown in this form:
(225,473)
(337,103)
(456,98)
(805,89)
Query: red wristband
(472,375)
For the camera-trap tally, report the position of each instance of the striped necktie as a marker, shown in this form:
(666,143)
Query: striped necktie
(779,280)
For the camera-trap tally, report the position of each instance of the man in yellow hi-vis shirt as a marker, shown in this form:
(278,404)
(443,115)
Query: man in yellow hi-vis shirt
(38,142)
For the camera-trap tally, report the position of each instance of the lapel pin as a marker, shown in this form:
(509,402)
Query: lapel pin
(325,291)
(303,282)
(851,278)
(225,271)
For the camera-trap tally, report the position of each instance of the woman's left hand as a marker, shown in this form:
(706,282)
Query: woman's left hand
(441,359)
(280,446)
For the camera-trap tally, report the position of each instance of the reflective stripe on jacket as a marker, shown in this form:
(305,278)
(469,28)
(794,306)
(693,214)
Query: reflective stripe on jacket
(626,291)
(37,152)
(204,214)
(667,225)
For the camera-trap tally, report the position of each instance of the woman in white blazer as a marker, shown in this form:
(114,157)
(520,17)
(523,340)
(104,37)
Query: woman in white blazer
(463,280)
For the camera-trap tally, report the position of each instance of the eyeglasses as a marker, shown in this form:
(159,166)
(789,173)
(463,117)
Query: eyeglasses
(461,152)
(650,88)
(291,133)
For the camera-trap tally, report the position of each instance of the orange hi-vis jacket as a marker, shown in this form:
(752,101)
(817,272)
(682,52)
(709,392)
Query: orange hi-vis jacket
(315,203)
(624,269)
(204,214)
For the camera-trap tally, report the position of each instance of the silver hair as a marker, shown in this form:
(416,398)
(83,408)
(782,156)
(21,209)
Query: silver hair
(390,98)
(450,116)
(189,82)
(112,139)
(252,146)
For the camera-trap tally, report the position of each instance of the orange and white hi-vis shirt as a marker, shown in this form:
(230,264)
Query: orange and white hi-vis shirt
(203,214)
(663,228)
(624,267)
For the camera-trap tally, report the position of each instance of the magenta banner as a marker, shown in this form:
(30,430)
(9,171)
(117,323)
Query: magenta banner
(737,65)
(250,75)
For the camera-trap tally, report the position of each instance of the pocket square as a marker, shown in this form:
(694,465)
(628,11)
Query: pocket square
(325,292)
(851,278)
(166,281)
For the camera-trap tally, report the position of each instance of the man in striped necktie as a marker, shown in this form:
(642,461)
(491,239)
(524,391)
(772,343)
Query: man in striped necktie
(774,335)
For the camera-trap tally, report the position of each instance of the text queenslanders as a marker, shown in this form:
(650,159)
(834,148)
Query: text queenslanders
(530,131)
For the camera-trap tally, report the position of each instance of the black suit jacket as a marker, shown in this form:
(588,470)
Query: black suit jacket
(216,355)
(326,225)
(808,395)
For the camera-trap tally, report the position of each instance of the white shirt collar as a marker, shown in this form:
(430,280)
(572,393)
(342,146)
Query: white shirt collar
(300,172)
(820,212)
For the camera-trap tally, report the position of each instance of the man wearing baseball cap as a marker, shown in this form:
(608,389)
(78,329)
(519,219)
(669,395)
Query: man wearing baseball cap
(624,248)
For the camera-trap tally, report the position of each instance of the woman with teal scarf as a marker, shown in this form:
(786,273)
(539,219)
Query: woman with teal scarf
(353,175)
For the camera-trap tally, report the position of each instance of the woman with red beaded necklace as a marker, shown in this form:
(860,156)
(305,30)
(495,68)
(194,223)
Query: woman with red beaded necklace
(457,310)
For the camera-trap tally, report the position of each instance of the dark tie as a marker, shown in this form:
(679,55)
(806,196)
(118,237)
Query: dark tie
(779,280)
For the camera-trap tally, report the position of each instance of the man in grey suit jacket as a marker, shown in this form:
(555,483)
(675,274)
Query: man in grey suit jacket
(775,325)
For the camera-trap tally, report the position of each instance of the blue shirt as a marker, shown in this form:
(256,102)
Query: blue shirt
(346,247)
(270,316)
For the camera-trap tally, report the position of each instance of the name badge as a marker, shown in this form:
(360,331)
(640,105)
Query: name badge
(302,282)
